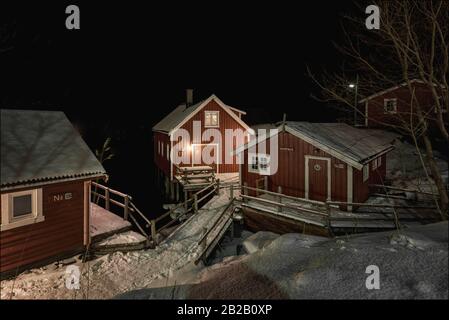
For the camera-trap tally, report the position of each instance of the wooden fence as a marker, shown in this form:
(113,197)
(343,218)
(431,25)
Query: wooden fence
(322,210)
(150,228)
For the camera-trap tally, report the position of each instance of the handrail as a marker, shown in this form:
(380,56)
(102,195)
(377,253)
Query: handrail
(402,189)
(286,196)
(285,205)
(357,204)
(215,223)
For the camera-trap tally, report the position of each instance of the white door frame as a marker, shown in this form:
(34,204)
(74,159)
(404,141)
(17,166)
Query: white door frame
(329,175)
(207,144)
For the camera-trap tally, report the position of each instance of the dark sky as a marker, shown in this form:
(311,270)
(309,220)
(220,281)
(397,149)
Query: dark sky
(130,63)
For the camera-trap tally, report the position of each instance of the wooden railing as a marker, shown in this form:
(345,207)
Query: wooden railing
(131,212)
(188,205)
(323,210)
(217,226)
(397,189)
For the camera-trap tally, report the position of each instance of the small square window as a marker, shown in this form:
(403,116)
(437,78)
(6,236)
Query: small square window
(211,118)
(22,206)
(390,105)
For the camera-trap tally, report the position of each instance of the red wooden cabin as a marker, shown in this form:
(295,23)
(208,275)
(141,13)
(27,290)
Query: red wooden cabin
(319,161)
(388,107)
(211,113)
(46,171)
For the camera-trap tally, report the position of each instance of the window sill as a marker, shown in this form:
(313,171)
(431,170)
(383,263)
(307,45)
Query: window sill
(217,126)
(21,223)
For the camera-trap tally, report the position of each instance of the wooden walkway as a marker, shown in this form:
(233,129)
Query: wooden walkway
(327,217)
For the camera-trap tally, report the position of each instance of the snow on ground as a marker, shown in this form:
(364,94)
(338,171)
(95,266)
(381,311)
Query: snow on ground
(413,264)
(405,170)
(115,273)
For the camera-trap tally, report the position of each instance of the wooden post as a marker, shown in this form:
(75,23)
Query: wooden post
(245,191)
(231,192)
(218,186)
(106,200)
(204,242)
(177,192)
(195,203)
(172,190)
(153,230)
(328,212)
(280,198)
(185,200)
(125,216)
(265,183)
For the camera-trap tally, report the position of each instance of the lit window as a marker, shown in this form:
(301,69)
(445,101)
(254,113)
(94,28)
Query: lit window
(365,173)
(21,208)
(259,163)
(211,118)
(253,164)
(263,164)
(390,105)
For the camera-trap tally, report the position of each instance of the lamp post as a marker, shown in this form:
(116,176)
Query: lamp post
(355,86)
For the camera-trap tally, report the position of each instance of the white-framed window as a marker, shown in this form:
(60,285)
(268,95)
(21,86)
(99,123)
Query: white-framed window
(374,164)
(162,149)
(253,163)
(21,208)
(390,105)
(365,173)
(168,152)
(158,147)
(211,119)
(379,161)
(259,163)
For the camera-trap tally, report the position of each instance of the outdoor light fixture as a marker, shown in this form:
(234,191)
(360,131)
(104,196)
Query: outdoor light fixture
(351,85)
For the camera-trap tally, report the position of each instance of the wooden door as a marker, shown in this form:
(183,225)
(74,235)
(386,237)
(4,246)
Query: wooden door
(198,153)
(318,176)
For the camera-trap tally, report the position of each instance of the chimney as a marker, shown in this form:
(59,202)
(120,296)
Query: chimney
(189,97)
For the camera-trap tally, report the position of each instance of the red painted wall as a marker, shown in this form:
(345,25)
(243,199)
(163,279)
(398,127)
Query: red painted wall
(62,231)
(378,118)
(225,122)
(291,170)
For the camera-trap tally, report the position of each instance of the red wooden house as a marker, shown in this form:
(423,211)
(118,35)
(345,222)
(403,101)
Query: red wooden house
(46,171)
(318,161)
(197,120)
(388,107)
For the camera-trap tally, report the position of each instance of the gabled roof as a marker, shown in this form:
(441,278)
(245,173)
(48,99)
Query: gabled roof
(378,94)
(42,146)
(350,145)
(175,119)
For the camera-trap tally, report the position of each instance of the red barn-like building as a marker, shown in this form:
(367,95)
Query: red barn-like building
(388,107)
(212,114)
(319,161)
(46,172)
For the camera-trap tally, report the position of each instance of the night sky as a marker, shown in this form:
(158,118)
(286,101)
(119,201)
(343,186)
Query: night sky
(130,64)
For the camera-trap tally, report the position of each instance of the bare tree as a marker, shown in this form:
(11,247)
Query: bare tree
(411,44)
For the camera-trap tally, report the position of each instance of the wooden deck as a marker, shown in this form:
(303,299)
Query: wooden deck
(104,223)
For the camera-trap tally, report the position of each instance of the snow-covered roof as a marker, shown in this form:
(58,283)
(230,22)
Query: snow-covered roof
(42,146)
(351,145)
(182,113)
